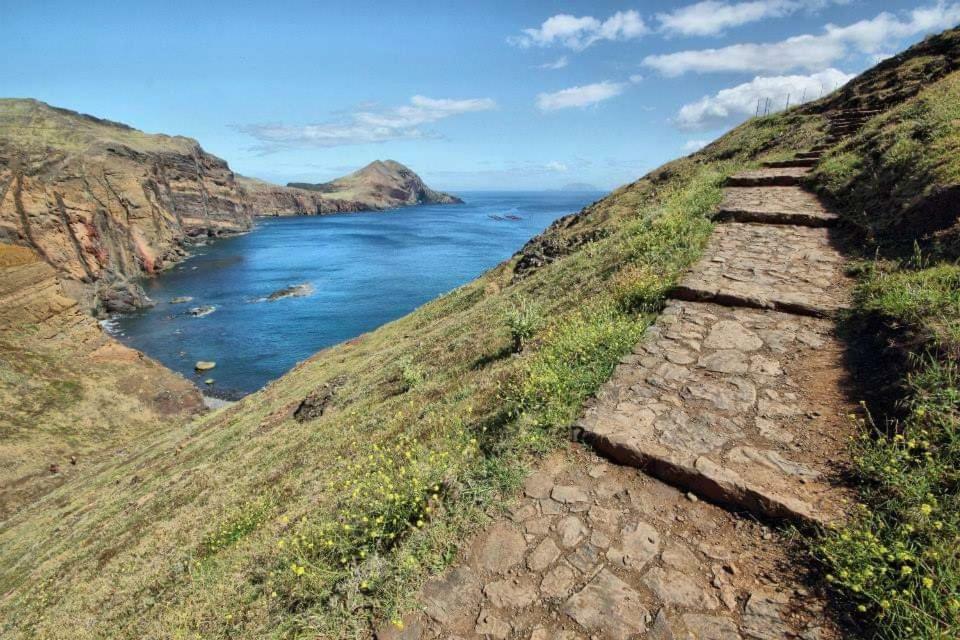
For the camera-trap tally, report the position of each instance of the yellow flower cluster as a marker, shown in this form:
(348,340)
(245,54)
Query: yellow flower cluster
(383,492)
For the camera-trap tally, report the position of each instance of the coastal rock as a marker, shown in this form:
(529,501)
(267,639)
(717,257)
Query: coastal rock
(204,365)
(199,312)
(293,291)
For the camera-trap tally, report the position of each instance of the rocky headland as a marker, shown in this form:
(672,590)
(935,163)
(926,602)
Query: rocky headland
(106,204)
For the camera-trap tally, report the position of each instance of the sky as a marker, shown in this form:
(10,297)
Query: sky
(471,95)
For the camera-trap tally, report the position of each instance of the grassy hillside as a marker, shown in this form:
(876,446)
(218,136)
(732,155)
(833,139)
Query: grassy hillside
(280,517)
(31,124)
(898,185)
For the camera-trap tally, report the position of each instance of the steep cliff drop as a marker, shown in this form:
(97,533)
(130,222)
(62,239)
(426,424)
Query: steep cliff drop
(104,203)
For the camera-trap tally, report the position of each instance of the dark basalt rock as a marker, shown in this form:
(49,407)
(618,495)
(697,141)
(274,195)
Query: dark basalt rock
(316,403)
(552,244)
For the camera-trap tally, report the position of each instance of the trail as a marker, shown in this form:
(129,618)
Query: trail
(727,421)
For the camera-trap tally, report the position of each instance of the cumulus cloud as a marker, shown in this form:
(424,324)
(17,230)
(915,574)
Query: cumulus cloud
(582,96)
(738,103)
(712,17)
(810,52)
(366,125)
(556,166)
(578,33)
(559,63)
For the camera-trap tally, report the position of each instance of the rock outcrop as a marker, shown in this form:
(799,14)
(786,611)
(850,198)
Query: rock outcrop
(104,203)
(382,184)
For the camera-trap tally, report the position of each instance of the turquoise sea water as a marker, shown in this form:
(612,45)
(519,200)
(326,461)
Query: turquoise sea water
(365,269)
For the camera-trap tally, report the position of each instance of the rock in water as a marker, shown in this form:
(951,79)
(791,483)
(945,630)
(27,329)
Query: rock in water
(181,299)
(293,291)
(199,312)
(204,365)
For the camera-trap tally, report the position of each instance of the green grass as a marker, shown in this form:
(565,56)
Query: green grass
(34,126)
(896,566)
(881,178)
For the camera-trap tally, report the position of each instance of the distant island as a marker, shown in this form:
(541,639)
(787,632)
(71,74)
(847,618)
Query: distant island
(104,203)
(579,186)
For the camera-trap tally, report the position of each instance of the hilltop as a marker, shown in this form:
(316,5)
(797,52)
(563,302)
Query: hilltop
(318,505)
(384,181)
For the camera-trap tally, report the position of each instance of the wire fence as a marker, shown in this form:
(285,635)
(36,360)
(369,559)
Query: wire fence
(772,104)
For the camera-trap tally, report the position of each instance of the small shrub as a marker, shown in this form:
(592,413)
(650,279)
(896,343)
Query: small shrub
(411,374)
(523,319)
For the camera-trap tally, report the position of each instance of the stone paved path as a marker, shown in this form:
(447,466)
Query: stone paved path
(727,418)
(783,267)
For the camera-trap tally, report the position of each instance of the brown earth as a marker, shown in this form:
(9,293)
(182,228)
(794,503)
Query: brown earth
(69,394)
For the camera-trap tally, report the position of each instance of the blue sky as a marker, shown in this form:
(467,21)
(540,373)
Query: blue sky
(471,95)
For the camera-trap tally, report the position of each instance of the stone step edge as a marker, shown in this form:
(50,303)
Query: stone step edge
(727,299)
(704,478)
(776,217)
(789,164)
(764,181)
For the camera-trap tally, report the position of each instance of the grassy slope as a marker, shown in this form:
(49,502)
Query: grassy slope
(248,523)
(31,124)
(898,185)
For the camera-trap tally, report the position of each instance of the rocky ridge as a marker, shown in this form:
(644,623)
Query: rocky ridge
(104,203)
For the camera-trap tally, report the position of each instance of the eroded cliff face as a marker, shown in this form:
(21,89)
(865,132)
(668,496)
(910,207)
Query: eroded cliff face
(69,393)
(103,203)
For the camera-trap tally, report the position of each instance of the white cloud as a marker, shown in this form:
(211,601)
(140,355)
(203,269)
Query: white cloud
(367,124)
(579,96)
(636,78)
(579,33)
(558,167)
(695,145)
(712,17)
(810,52)
(738,103)
(559,63)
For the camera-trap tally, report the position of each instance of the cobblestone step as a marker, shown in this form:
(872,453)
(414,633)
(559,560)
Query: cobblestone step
(592,550)
(774,205)
(794,162)
(780,177)
(715,401)
(782,268)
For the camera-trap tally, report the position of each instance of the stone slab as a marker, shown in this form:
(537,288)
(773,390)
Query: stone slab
(709,402)
(774,205)
(785,268)
(769,177)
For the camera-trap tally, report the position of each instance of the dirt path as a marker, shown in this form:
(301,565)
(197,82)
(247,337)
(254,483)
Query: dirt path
(728,419)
